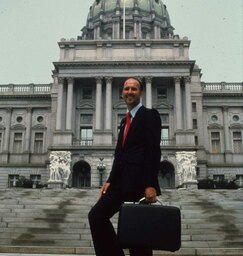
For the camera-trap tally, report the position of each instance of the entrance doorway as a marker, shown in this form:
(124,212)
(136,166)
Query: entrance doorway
(167,175)
(81,175)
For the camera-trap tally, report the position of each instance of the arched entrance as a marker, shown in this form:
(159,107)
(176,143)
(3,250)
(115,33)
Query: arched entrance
(167,175)
(81,175)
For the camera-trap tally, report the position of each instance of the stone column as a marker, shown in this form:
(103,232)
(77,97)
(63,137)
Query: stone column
(149,92)
(7,130)
(155,32)
(108,106)
(116,28)
(140,30)
(158,32)
(28,129)
(226,129)
(69,112)
(98,32)
(178,105)
(59,104)
(188,103)
(98,103)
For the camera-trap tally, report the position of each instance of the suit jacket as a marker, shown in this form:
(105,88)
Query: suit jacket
(137,162)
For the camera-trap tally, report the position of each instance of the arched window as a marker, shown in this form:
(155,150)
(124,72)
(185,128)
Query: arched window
(167,175)
(81,175)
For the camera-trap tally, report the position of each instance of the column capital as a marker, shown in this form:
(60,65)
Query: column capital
(99,79)
(9,110)
(149,79)
(177,79)
(225,108)
(70,80)
(29,109)
(108,79)
(187,79)
(60,80)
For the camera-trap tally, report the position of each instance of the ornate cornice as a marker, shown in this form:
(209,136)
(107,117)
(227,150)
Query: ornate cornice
(123,63)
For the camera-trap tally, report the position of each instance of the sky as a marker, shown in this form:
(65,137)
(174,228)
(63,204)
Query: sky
(30,30)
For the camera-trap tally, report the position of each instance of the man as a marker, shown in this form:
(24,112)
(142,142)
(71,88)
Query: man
(134,172)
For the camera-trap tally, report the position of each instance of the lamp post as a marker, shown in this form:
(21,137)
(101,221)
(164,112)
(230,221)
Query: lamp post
(101,168)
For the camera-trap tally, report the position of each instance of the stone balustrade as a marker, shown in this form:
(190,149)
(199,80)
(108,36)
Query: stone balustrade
(13,89)
(222,87)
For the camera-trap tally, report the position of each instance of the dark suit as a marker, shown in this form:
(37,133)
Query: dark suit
(135,167)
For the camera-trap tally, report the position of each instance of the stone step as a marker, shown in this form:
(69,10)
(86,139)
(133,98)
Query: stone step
(89,251)
(212,221)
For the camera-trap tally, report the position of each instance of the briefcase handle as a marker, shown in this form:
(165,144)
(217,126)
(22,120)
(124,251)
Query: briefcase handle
(144,200)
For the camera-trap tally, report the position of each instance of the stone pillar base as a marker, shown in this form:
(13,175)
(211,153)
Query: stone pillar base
(55,184)
(190,184)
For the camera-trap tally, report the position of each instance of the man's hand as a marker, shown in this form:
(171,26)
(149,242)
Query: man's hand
(150,194)
(104,188)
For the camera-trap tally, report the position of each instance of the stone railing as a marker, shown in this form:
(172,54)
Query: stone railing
(13,89)
(167,142)
(222,87)
(87,142)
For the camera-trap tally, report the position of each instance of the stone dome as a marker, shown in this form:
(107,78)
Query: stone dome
(143,19)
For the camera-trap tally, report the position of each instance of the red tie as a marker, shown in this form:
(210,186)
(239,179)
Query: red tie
(128,123)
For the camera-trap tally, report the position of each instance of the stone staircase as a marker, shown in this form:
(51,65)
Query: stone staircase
(55,221)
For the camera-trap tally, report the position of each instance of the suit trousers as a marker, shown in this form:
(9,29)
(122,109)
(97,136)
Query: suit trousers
(103,234)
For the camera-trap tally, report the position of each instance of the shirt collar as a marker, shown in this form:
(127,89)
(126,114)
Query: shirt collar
(135,109)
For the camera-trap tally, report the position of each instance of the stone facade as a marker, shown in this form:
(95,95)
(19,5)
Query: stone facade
(81,110)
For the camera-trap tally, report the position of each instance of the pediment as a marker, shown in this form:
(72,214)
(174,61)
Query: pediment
(120,105)
(236,126)
(215,126)
(39,127)
(86,105)
(18,127)
(163,105)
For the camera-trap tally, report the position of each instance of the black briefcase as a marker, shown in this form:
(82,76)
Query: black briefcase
(145,226)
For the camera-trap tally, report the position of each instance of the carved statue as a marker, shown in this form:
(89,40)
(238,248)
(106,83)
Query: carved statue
(186,166)
(60,162)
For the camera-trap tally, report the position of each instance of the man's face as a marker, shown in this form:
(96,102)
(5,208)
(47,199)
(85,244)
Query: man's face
(131,93)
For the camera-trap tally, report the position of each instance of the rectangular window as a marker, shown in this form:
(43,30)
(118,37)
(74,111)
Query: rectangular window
(38,143)
(215,140)
(194,107)
(87,93)
(161,93)
(237,142)
(86,136)
(35,178)
(218,178)
(12,180)
(196,140)
(18,142)
(194,123)
(164,136)
(239,180)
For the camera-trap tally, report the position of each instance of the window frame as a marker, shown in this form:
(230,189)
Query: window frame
(215,139)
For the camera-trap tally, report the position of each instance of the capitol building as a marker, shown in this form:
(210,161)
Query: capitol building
(80,111)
